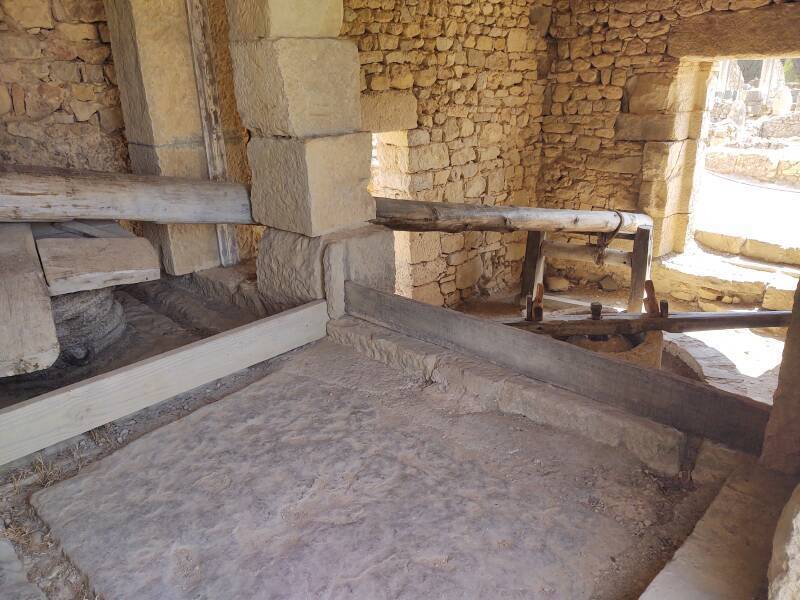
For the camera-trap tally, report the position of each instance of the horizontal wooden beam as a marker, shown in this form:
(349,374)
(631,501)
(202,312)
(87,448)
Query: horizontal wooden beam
(411,215)
(57,416)
(50,195)
(586,253)
(632,323)
(687,405)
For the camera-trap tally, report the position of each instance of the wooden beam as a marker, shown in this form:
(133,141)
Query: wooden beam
(28,339)
(57,416)
(213,135)
(79,264)
(411,215)
(586,253)
(632,323)
(641,261)
(95,229)
(56,195)
(687,405)
(533,267)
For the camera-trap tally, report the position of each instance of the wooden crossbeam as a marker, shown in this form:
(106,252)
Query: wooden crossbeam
(632,323)
(49,195)
(59,415)
(687,405)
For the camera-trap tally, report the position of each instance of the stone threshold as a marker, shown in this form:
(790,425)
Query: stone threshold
(484,387)
(727,554)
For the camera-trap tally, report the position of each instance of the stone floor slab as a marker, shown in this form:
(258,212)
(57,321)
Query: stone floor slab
(333,477)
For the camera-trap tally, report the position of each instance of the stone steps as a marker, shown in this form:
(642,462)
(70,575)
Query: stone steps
(727,555)
(481,386)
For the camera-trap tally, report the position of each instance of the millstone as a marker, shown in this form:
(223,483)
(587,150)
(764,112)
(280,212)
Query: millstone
(87,323)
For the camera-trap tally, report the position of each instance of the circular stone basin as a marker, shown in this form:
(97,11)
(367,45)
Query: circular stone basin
(643,349)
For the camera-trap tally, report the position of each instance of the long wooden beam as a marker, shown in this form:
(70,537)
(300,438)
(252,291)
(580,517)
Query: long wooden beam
(631,323)
(410,215)
(51,418)
(31,195)
(586,253)
(687,405)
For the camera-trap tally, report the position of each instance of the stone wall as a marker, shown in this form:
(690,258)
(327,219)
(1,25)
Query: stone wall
(59,102)
(627,93)
(477,71)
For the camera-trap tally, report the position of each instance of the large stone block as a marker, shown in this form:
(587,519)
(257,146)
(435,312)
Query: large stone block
(413,159)
(312,186)
(737,34)
(682,90)
(659,127)
(297,87)
(294,269)
(664,197)
(153,61)
(392,110)
(663,160)
(256,19)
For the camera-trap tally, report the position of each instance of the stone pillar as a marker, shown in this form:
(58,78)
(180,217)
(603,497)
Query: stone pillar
(665,110)
(298,93)
(153,59)
(782,440)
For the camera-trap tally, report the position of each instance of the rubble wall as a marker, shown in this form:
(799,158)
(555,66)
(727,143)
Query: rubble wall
(477,70)
(59,102)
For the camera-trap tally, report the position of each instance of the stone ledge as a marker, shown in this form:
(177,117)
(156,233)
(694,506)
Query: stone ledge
(486,387)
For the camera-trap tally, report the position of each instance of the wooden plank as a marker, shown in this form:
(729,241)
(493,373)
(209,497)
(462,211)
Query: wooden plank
(412,215)
(210,115)
(632,323)
(95,229)
(640,267)
(79,264)
(687,405)
(533,267)
(28,339)
(57,416)
(51,195)
(586,253)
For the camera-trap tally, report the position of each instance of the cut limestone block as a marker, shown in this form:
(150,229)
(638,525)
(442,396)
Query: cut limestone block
(297,87)
(393,110)
(311,186)
(255,19)
(294,269)
(659,127)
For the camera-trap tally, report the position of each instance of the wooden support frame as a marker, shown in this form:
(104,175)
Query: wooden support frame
(641,261)
(57,416)
(213,134)
(533,267)
(687,405)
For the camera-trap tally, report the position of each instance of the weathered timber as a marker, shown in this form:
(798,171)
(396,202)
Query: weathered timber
(410,215)
(213,136)
(631,323)
(31,195)
(533,266)
(59,415)
(641,261)
(28,339)
(79,264)
(687,405)
(94,229)
(586,253)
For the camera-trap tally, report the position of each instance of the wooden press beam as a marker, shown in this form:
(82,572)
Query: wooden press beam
(641,261)
(213,135)
(631,323)
(410,215)
(59,415)
(50,195)
(533,266)
(687,405)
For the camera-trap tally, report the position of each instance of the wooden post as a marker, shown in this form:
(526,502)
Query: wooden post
(533,267)
(213,135)
(640,266)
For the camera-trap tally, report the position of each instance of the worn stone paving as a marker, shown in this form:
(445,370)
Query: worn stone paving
(13,582)
(333,478)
